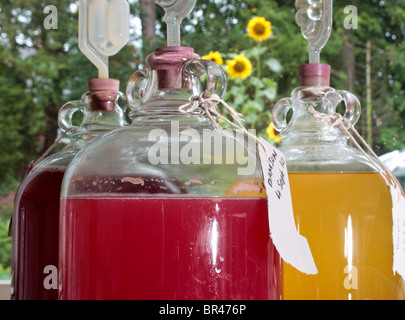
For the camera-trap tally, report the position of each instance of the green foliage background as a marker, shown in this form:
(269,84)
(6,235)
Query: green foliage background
(5,244)
(42,69)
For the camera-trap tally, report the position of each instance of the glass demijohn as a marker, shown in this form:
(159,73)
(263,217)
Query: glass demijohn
(35,225)
(168,207)
(341,202)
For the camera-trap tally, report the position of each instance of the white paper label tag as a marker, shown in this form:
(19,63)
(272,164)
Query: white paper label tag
(398,229)
(292,247)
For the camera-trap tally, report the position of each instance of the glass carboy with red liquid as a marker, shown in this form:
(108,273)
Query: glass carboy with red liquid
(168,207)
(35,225)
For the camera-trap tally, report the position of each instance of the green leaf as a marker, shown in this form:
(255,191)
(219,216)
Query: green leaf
(270,93)
(255,52)
(270,83)
(274,65)
(258,83)
(253,106)
(250,118)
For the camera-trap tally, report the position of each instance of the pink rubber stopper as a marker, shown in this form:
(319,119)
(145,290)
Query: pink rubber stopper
(103,84)
(169,63)
(103,94)
(314,74)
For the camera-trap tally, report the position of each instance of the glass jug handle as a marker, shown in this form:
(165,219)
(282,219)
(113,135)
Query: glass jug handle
(136,88)
(216,77)
(352,104)
(279,113)
(65,114)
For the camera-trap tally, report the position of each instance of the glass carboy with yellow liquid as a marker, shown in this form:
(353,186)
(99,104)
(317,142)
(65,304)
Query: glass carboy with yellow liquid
(341,203)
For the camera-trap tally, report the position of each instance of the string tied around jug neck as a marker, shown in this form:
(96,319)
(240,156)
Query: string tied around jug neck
(395,188)
(208,102)
(337,120)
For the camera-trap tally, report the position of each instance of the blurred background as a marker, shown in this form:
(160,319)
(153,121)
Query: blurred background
(257,42)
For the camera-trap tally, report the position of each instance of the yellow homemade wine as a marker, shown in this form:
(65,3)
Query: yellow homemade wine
(347,220)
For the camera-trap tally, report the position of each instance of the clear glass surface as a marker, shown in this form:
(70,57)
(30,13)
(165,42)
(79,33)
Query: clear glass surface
(341,203)
(35,221)
(169,208)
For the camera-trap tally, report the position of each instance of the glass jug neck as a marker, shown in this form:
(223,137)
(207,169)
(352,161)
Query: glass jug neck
(173,77)
(305,126)
(168,65)
(102,113)
(167,87)
(166,108)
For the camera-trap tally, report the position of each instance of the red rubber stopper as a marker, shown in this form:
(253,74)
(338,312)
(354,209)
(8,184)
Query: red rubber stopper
(102,94)
(169,63)
(314,74)
(103,84)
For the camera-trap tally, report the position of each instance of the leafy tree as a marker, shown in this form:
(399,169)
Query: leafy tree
(18,121)
(5,244)
(379,36)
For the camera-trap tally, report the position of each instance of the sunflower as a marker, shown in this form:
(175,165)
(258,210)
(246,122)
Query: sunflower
(214,56)
(239,67)
(259,28)
(272,133)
